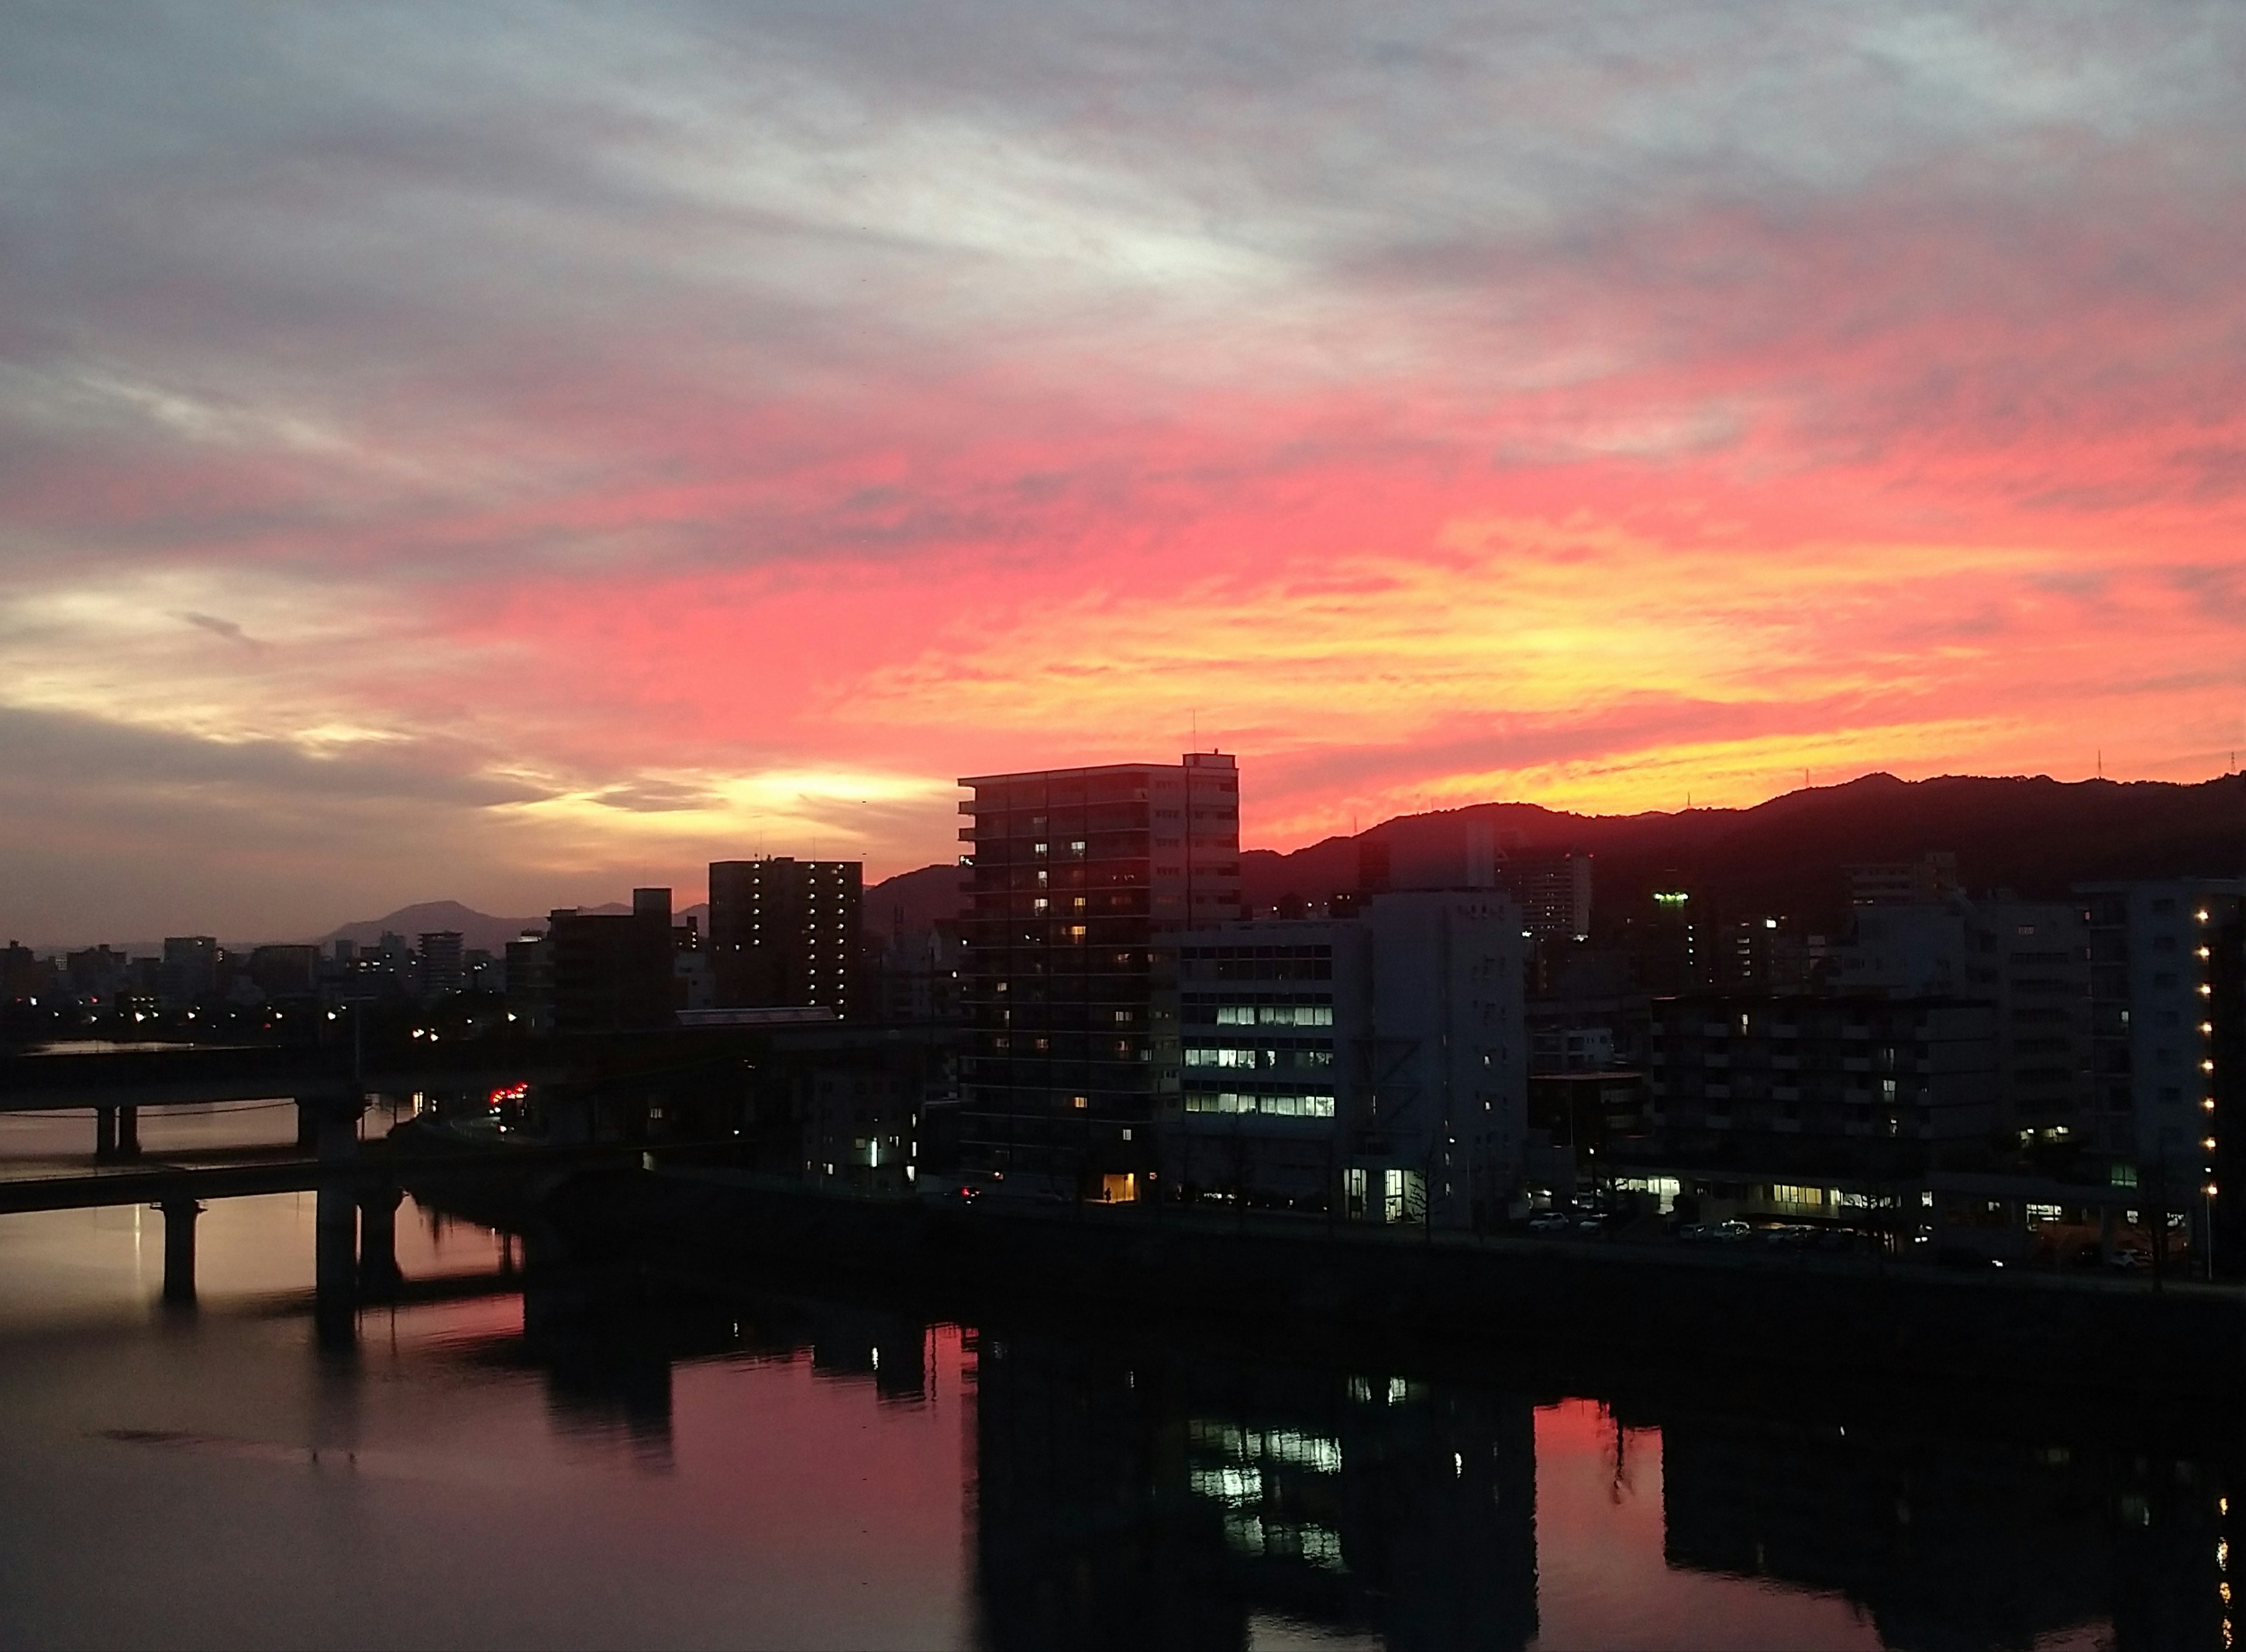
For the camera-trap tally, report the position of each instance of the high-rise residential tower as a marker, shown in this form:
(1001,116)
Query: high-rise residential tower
(784,931)
(2157,1019)
(1080,881)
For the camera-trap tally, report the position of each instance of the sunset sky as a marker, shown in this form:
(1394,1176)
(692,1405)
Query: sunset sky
(510,453)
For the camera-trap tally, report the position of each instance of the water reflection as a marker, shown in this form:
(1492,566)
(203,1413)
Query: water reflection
(1159,1498)
(577,1464)
(1954,1542)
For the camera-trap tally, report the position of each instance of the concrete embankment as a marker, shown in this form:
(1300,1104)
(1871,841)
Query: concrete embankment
(1725,1317)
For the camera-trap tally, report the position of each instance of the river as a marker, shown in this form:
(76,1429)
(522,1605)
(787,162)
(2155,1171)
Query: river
(789,1472)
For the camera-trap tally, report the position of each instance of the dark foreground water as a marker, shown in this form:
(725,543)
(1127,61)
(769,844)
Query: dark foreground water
(798,1472)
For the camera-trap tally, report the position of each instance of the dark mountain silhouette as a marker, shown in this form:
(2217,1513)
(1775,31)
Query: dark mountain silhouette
(2036,836)
(478,929)
(912,902)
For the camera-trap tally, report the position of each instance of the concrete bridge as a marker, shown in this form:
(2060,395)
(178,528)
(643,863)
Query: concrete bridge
(359,1186)
(115,1085)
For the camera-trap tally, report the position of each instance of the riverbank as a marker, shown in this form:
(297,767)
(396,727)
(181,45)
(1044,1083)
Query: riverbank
(1716,1317)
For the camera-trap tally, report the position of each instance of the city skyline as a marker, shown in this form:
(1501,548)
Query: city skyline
(563,449)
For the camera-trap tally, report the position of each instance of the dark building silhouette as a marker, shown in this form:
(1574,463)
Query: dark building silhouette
(530,970)
(612,972)
(914,976)
(98,973)
(284,972)
(1668,941)
(1862,1083)
(1552,887)
(786,932)
(1080,880)
(189,972)
(2225,941)
(442,967)
(1925,882)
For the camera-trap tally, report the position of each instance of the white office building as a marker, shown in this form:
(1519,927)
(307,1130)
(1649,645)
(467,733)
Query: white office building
(1374,1065)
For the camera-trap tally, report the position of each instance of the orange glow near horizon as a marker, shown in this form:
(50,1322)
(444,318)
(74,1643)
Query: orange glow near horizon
(723,460)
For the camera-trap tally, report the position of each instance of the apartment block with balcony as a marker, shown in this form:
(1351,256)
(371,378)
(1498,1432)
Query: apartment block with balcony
(785,933)
(2031,962)
(1866,1085)
(2159,1017)
(1079,882)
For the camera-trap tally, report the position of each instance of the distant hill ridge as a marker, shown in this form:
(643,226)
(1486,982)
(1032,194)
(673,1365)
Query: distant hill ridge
(2032,835)
(479,930)
(2035,835)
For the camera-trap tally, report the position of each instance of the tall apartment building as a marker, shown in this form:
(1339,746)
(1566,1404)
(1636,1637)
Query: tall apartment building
(1079,882)
(189,972)
(2030,960)
(1376,1065)
(1668,941)
(786,932)
(529,971)
(443,971)
(2157,1019)
(2224,937)
(1551,886)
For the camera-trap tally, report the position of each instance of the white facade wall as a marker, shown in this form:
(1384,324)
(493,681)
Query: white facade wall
(1392,1088)
(1449,1073)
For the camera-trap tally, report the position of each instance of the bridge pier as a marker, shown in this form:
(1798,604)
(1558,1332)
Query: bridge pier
(180,1249)
(378,1241)
(105,1134)
(334,1129)
(128,1132)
